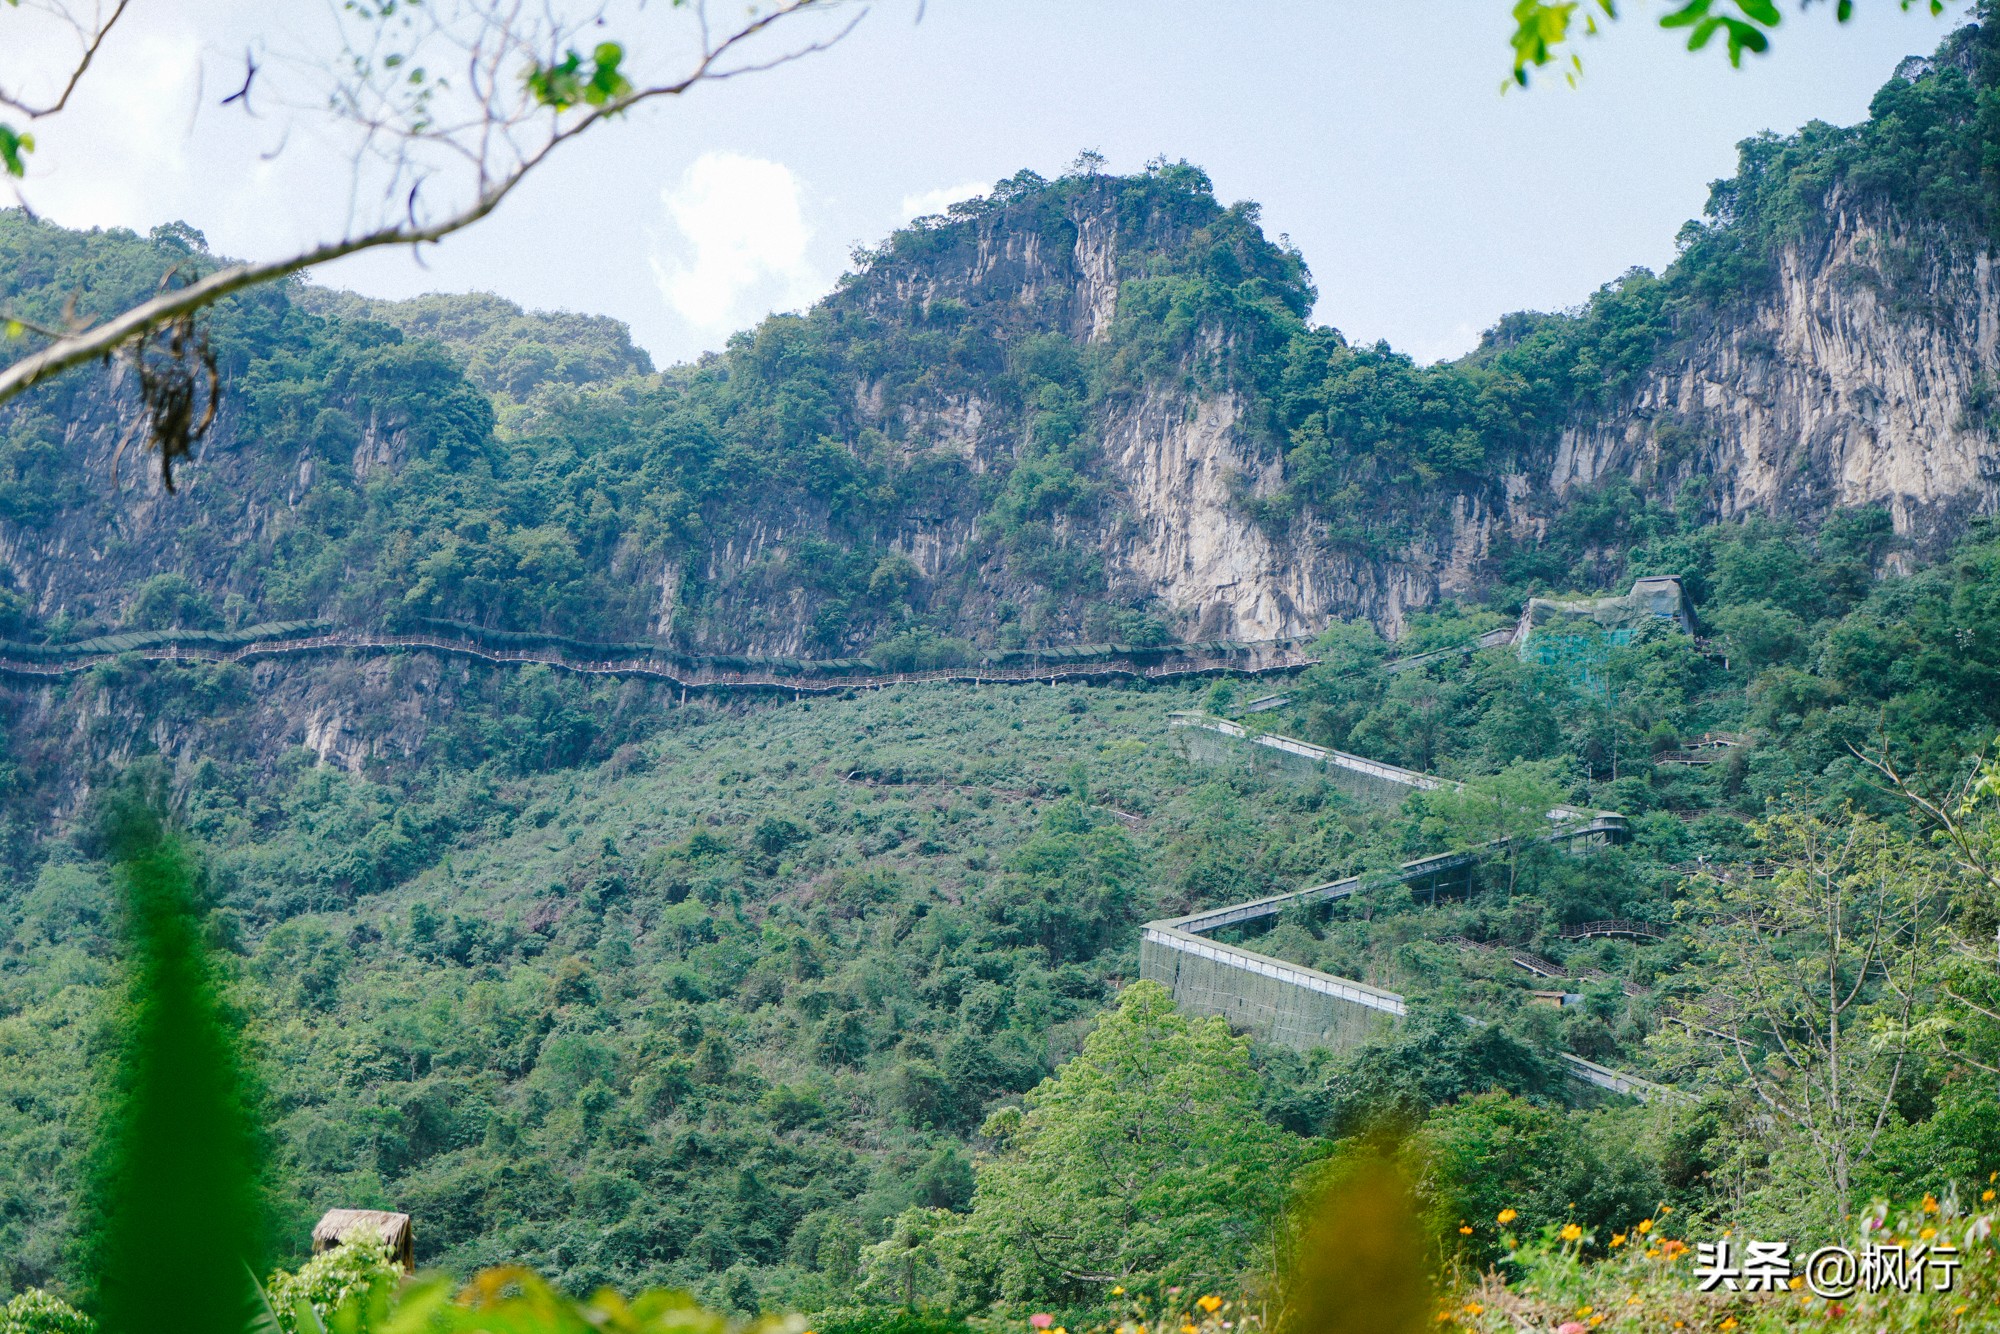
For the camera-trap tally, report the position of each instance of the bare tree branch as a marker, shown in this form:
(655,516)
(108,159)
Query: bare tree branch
(92,36)
(393,104)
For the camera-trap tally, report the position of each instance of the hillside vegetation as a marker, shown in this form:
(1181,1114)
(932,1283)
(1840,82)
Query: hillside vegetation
(829,1004)
(721,1008)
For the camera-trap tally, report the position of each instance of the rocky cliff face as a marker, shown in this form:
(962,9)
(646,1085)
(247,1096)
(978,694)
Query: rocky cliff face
(1869,373)
(1869,376)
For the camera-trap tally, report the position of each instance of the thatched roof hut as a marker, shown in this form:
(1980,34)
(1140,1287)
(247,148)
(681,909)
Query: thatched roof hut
(392,1230)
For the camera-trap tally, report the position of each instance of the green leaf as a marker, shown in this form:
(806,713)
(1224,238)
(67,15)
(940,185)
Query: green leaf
(1743,37)
(1539,28)
(1762,11)
(567,83)
(1695,11)
(14,150)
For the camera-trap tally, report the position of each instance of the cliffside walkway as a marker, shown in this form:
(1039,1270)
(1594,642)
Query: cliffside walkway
(1296,1006)
(688,672)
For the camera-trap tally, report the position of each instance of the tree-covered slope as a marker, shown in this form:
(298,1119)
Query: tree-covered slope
(720,1006)
(723,993)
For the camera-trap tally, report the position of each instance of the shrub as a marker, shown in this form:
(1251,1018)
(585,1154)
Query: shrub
(877,1320)
(348,1273)
(39,1312)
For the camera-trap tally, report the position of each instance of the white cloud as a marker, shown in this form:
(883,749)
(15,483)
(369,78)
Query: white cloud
(743,245)
(1442,344)
(937,201)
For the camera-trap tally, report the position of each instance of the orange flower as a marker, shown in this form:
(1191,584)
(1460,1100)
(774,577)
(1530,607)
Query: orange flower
(1571,1232)
(1645,1226)
(1507,1216)
(1930,1203)
(1465,1229)
(1210,1303)
(1618,1239)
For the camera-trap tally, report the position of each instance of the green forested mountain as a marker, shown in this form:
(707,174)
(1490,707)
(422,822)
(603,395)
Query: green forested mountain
(739,992)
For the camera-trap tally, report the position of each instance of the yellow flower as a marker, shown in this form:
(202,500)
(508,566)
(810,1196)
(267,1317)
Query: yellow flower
(1631,1301)
(1210,1303)
(1645,1225)
(1473,1308)
(1465,1229)
(1189,1329)
(1988,1197)
(1930,1203)
(1507,1216)
(1118,1292)
(1729,1323)
(1618,1239)
(1585,1310)
(1571,1232)
(1795,1283)
(1927,1233)
(1666,1208)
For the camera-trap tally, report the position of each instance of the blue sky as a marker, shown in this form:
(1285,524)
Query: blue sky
(1374,135)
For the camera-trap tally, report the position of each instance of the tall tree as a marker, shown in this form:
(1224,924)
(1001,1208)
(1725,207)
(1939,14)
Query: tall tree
(1802,994)
(180,1219)
(1144,1160)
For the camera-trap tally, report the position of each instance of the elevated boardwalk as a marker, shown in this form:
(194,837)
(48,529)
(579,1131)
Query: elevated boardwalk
(1299,1007)
(656,662)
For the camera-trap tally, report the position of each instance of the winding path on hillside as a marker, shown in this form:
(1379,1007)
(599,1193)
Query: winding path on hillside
(1302,1007)
(686,671)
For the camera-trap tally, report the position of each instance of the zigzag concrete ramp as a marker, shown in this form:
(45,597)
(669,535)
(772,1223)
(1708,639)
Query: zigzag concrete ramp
(1294,1006)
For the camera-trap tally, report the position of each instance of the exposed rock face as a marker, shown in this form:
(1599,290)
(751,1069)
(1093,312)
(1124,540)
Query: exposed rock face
(1868,377)
(1184,466)
(1870,374)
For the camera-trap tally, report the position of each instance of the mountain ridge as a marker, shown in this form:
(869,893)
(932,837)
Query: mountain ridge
(1077,410)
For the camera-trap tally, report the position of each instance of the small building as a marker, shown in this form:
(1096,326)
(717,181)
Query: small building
(1653,597)
(1575,634)
(1555,999)
(392,1230)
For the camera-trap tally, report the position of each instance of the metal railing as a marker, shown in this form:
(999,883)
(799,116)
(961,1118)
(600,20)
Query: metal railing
(1185,934)
(691,678)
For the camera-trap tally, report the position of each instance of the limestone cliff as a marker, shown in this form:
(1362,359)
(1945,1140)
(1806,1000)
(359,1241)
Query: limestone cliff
(1867,376)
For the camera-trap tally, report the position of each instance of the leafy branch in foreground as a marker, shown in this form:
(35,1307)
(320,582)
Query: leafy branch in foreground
(1542,29)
